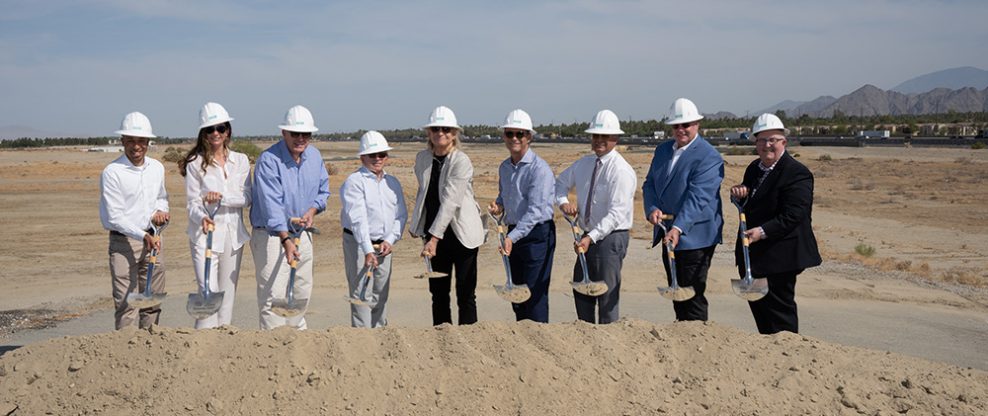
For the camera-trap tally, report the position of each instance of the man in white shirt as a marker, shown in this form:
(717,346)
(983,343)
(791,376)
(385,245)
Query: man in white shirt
(605,191)
(132,196)
(373,213)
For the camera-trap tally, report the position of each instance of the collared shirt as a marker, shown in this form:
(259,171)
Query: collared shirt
(613,196)
(372,208)
(233,182)
(283,189)
(129,196)
(677,152)
(526,191)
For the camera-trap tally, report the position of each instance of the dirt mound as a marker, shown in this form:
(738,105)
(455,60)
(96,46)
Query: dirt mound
(631,367)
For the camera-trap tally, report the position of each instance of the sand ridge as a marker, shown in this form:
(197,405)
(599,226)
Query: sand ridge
(630,367)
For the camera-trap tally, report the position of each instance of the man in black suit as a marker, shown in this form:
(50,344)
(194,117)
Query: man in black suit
(777,196)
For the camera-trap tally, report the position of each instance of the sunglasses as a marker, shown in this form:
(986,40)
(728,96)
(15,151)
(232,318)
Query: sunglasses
(436,129)
(682,126)
(381,155)
(220,128)
(515,134)
(296,134)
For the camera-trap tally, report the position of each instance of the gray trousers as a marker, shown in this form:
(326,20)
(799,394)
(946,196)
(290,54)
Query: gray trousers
(604,261)
(375,313)
(128,273)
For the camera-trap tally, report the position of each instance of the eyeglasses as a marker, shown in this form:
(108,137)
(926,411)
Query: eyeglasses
(683,126)
(515,134)
(296,135)
(220,128)
(769,140)
(381,155)
(437,129)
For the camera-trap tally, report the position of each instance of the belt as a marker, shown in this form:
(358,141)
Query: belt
(120,234)
(347,231)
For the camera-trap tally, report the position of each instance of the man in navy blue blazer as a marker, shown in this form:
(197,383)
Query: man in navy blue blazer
(684,181)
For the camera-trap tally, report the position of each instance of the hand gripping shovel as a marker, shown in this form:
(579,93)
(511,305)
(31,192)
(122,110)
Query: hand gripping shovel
(361,295)
(673,292)
(429,273)
(288,306)
(147,299)
(509,291)
(747,288)
(585,286)
(204,303)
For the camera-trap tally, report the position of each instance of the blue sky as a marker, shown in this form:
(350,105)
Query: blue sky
(76,67)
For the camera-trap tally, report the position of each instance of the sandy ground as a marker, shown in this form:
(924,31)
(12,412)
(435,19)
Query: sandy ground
(923,293)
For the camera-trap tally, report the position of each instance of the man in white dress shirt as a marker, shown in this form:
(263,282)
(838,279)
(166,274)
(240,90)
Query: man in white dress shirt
(373,213)
(605,189)
(132,196)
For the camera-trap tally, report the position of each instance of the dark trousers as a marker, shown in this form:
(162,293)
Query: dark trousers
(691,271)
(450,254)
(604,261)
(776,312)
(531,264)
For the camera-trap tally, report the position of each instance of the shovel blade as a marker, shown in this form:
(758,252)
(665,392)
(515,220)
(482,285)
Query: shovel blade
(513,294)
(354,300)
(286,309)
(677,293)
(590,288)
(142,301)
(431,275)
(202,307)
(752,290)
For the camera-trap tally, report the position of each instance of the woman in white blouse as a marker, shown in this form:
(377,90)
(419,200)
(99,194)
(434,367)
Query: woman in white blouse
(214,174)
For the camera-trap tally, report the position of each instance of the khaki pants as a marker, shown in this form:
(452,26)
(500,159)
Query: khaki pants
(128,273)
(375,313)
(272,276)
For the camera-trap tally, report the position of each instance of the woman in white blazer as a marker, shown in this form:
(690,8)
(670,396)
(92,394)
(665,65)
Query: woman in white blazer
(447,218)
(215,174)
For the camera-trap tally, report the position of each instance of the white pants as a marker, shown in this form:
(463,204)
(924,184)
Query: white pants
(223,276)
(272,276)
(375,313)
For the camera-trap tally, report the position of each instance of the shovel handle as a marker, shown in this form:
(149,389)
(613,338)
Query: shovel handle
(293,264)
(667,217)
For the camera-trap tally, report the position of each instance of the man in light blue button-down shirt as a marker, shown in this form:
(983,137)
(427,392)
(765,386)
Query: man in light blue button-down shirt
(290,181)
(526,189)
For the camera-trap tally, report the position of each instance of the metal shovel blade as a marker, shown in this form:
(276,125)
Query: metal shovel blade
(677,293)
(201,306)
(288,309)
(514,293)
(590,288)
(142,301)
(750,290)
(431,275)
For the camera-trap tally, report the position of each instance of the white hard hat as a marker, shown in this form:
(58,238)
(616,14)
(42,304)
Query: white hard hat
(442,116)
(767,121)
(136,124)
(299,119)
(373,142)
(683,111)
(518,119)
(605,122)
(212,114)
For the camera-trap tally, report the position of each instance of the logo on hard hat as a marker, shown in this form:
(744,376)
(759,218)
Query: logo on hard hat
(598,124)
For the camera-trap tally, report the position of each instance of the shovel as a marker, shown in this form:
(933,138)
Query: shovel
(585,286)
(288,306)
(747,288)
(204,304)
(147,299)
(429,273)
(360,295)
(673,292)
(509,291)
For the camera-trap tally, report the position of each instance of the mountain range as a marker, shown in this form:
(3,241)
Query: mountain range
(960,90)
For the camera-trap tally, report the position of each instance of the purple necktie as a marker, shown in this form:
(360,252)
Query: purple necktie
(593,181)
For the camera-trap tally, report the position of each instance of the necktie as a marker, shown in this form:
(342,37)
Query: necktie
(593,182)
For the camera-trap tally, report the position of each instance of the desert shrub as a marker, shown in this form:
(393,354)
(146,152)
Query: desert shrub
(247,148)
(978,145)
(173,155)
(796,155)
(332,170)
(864,250)
(858,185)
(825,158)
(738,151)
